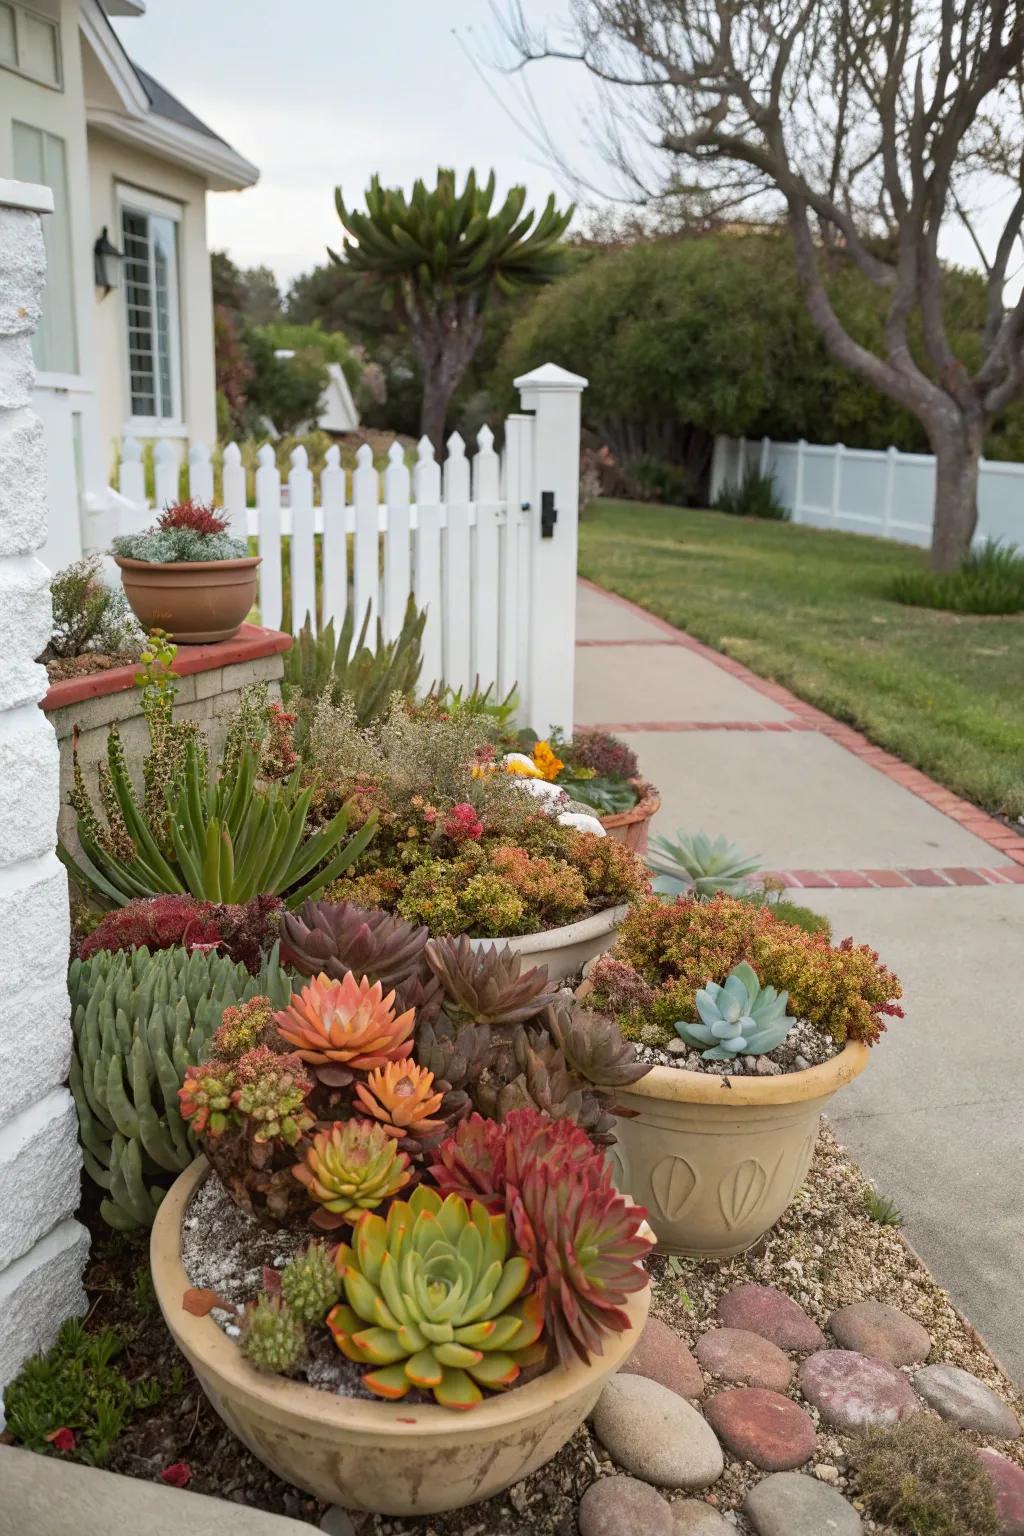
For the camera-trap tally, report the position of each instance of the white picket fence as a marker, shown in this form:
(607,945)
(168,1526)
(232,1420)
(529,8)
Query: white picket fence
(464,539)
(889,494)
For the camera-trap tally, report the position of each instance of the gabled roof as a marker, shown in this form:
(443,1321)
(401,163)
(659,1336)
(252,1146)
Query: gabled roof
(164,104)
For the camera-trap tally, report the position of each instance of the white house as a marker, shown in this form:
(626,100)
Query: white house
(129,167)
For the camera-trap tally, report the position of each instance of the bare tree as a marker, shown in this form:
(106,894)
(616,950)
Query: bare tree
(867,125)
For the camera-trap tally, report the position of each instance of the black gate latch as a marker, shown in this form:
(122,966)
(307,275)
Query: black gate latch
(548,514)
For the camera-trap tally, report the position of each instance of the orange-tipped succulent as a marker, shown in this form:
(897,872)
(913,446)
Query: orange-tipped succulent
(402,1097)
(348,1024)
(352,1167)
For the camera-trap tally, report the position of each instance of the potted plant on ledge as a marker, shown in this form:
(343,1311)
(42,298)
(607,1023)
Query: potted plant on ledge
(187,575)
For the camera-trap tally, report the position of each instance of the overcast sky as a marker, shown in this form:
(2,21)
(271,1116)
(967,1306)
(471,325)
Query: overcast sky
(322,92)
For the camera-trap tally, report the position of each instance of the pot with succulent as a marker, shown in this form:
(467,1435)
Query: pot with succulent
(187,575)
(751,1020)
(596,770)
(437,1112)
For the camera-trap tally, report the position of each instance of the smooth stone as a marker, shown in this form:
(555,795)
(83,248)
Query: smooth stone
(966,1401)
(656,1435)
(776,1317)
(337,1522)
(764,1427)
(883,1332)
(851,1390)
(791,1504)
(661,1356)
(622,1506)
(738,1355)
(692,1517)
(1008,1484)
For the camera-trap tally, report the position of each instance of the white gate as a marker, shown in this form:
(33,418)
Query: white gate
(473,541)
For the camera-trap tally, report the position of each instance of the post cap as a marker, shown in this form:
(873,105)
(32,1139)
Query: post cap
(28,195)
(550,377)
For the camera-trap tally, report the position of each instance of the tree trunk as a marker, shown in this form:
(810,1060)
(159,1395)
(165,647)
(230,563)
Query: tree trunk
(957,458)
(437,392)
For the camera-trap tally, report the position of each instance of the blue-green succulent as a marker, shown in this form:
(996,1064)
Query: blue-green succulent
(738,1018)
(693,862)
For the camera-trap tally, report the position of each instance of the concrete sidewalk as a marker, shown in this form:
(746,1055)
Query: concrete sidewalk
(936,887)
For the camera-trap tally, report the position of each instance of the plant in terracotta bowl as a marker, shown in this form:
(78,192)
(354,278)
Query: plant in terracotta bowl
(598,771)
(187,575)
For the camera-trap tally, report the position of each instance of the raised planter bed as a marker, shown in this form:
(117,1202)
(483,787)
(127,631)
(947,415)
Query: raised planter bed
(566,950)
(391,1458)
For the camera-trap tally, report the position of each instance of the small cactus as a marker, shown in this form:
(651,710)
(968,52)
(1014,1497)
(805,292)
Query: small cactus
(273,1338)
(310,1284)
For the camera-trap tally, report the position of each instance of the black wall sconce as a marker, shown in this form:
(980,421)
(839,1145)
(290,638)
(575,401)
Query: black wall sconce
(107,261)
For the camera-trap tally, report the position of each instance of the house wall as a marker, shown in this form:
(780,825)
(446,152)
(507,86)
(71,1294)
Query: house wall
(111,163)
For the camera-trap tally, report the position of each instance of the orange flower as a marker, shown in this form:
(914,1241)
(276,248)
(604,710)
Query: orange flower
(400,1095)
(347,1021)
(548,765)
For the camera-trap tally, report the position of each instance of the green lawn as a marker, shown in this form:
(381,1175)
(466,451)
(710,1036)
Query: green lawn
(808,608)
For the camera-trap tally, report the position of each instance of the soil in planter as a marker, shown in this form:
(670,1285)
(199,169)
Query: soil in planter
(805,1046)
(63,667)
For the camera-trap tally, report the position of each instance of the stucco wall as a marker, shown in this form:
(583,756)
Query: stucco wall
(42,1248)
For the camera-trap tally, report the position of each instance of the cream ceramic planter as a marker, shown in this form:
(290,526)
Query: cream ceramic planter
(391,1458)
(716,1160)
(565,951)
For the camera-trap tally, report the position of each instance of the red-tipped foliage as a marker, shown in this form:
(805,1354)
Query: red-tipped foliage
(481,1156)
(165,922)
(195,516)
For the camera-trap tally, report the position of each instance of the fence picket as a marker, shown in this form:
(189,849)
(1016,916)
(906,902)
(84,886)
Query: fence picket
(303,548)
(486,552)
(165,465)
(268,512)
(457,567)
(200,474)
(233,491)
(511,667)
(131,475)
(366,497)
(427,488)
(335,545)
(397,571)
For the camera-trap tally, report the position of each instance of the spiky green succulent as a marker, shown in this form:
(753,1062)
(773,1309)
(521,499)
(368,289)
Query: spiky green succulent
(738,1018)
(273,1338)
(431,1299)
(694,862)
(310,1284)
(488,985)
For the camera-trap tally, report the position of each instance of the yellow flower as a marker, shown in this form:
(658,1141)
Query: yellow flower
(518,762)
(549,766)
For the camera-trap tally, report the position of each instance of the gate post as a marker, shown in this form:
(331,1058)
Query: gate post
(554,395)
(42,1248)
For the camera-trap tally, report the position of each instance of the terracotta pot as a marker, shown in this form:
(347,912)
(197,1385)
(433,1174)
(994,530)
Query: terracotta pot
(195,601)
(633,827)
(391,1458)
(716,1160)
(566,950)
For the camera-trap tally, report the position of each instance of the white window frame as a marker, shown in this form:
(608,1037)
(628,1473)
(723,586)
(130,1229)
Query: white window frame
(136,200)
(20,11)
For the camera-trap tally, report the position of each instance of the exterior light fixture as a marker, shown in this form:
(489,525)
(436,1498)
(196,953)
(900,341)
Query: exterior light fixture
(107,261)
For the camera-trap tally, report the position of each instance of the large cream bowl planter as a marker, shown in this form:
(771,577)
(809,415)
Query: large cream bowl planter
(716,1160)
(390,1458)
(566,950)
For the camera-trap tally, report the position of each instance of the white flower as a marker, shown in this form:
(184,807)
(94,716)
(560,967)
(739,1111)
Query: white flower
(582,822)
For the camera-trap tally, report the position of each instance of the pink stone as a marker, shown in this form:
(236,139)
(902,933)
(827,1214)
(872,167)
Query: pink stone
(763,1427)
(661,1356)
(738,1355)
(776,1317)
(884,1332)
(1008,1483)
(851,1390)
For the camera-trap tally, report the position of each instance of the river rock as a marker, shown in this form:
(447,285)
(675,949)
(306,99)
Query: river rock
(766,1428)
(776,1317)
(692,1517)
(1008,1484)
(623,1506)
(655,1434)
(738,1355)
(791,1504)
(966,1401)
(851,1390)
(661,1356)
(883,1332)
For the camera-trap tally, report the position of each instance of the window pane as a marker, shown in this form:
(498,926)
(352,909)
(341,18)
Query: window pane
(8,52)
(163,236)
(37,48)
(151,306)
(141,327)
(41,157)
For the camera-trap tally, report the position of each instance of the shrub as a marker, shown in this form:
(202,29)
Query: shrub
(649,478)
(990,580)
(243,933)
(753,496)
(924,1477)
(604,754)
(88,615)
(343,664)
(667,951)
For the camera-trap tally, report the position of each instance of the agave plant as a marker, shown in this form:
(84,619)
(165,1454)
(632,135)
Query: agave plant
(334,938)
(488,985)
(738,1018)
(694,862)
(344,1026)
(431,1299)
(344,663)
(402,1097)
(352,1167)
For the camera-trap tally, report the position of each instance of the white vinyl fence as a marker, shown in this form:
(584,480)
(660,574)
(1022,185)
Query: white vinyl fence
(467,540)
(888,494)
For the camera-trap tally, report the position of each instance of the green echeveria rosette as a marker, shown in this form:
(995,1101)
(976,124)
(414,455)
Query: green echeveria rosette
(431,1301)
(738,1018)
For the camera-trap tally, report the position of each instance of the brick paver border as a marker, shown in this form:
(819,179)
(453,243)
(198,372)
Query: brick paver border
(805,717)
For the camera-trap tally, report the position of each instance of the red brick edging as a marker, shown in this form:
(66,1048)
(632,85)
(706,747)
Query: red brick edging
(805,717)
